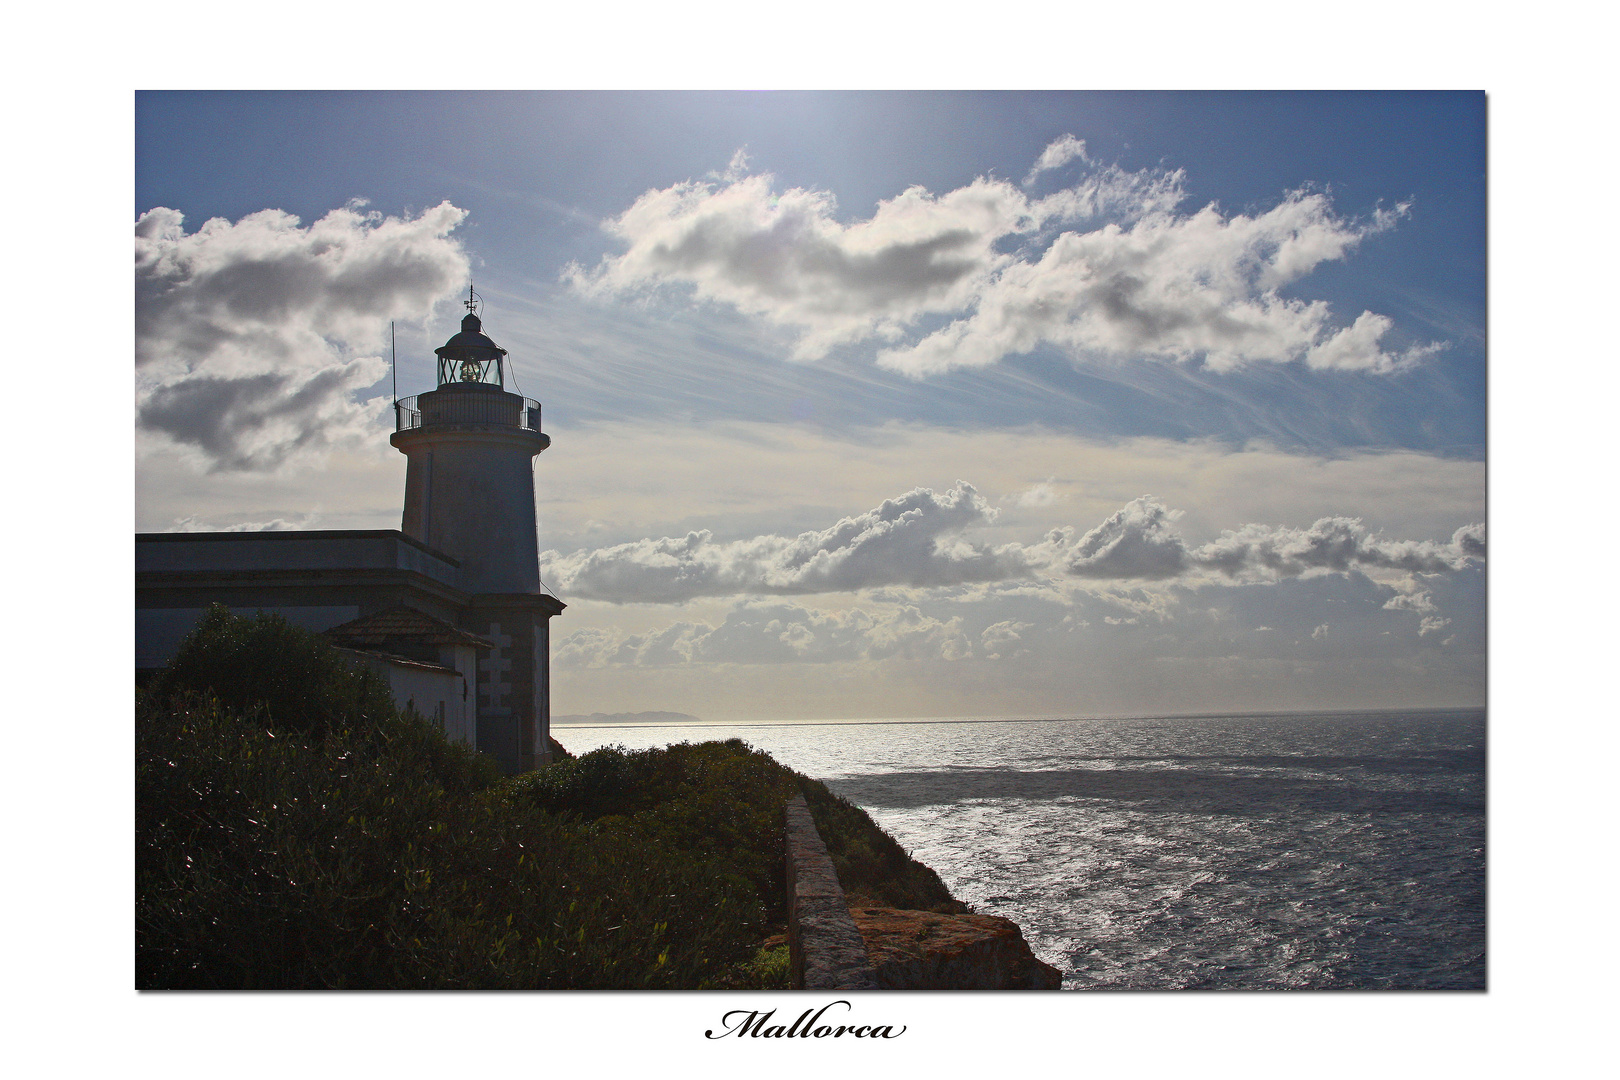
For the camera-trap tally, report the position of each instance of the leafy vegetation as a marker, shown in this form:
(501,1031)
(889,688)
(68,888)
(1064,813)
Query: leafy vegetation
(266,663)
(723,800)
(294,831)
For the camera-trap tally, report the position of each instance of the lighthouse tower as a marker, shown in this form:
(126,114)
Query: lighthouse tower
(470,446)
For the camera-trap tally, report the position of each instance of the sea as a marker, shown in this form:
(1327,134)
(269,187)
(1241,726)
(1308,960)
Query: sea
(1301,851)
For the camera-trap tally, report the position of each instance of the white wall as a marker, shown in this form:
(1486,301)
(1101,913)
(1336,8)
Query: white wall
(433,693)
(461,717)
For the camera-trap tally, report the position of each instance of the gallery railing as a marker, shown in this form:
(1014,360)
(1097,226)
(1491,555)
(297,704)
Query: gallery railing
(457,406)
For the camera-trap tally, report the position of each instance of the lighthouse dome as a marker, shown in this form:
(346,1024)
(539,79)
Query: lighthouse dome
(471,356)
(471,343)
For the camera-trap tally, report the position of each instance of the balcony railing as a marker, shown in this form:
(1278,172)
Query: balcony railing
(498,409)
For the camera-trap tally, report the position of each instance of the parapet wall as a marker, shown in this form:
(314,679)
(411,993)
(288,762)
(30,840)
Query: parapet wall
(832,948)
(826,950)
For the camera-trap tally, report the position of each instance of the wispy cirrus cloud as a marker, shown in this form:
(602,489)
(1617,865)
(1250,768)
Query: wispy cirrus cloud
(1108,266)
(252,338)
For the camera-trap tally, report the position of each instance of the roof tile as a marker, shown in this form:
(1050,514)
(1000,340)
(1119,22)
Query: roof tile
(403,624)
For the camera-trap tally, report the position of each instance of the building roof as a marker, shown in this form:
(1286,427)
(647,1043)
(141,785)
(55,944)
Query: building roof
(288,536)
(398,661)
(400,625)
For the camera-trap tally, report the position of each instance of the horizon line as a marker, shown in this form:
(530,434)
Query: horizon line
(1041,718)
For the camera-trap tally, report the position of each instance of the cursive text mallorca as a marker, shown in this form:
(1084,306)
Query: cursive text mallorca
(757,1025)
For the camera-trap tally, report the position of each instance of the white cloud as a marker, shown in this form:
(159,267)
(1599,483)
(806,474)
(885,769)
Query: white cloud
(1001,639)
(1356,348)
(639,480)
(911,540)
(1336,544)
(1039,630)
(915,541)
(1149,281)
(1140,542)
(1037,495)
(1137,541)
(254,338)
(1418,601)
(1170,287)
(735,169)
(1185,645)
(1431,625)
(785,258)
(1057,154)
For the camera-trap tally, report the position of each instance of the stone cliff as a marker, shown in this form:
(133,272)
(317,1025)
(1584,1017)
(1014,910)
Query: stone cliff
(834,946)
(923,950)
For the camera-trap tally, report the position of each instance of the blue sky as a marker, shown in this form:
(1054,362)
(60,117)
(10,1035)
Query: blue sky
(871,404)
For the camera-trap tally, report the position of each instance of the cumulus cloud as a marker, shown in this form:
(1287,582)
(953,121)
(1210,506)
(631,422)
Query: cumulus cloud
(1418,601)
(1002,639)
(1432,625)
(1337,544)
(1040,630)
(785,258)
(911,540)
(915,541)
(1136,541)
(1139,541)
(252,338)
(1141,279)
(1172,287)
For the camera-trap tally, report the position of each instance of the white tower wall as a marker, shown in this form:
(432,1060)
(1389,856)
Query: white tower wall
(469,493)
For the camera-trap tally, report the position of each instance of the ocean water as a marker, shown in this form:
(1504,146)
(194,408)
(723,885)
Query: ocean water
(1303,851)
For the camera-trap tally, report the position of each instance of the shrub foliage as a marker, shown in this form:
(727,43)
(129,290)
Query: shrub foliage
(294,831)
(723,800)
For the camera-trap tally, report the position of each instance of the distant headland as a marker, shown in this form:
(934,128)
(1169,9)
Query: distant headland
(578,719)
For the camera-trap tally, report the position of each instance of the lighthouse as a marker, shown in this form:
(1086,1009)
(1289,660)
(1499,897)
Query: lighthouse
(470,446)
(448,609)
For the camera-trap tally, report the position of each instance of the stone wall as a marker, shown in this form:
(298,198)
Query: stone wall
(826,950)
(832,948)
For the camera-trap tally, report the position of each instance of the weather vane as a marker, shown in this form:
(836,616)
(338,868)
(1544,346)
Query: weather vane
(472,300)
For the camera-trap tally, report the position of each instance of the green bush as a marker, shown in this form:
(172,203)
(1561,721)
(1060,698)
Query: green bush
(723,800)
(296,681)
(309,836)
(716,801)
(268,860)
(294,831)
(872,866)
(265,662)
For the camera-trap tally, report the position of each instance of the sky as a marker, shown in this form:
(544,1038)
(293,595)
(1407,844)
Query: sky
(870,404)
